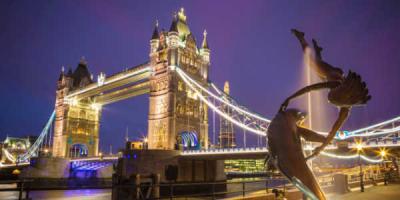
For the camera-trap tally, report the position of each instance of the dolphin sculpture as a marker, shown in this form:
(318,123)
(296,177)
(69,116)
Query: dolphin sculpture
(285,130)
(286,151)
(324,70)
(344,91)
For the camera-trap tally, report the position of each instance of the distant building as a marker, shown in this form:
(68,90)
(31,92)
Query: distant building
(135,145)
(226,132)
(12,147)
(245,165)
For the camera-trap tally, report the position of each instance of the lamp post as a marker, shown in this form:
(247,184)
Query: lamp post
(359,149)
(383,154)
(46,152)
(145,143)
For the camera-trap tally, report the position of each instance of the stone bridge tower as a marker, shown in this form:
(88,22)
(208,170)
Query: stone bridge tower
(76,129)
(174,108)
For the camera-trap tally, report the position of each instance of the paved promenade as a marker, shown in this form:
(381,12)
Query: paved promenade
(381,192)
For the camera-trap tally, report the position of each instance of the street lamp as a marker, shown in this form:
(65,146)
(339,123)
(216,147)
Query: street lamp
(359,149)
(382,152)
(145,145)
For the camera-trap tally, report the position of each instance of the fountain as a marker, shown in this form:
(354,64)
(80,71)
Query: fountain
(286,129)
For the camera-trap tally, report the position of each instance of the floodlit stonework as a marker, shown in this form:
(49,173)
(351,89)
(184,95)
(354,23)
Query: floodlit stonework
(174,108)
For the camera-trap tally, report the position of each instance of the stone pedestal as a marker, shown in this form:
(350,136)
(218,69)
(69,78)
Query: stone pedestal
(105,172)
(340,182)
(47,167)
(148,164)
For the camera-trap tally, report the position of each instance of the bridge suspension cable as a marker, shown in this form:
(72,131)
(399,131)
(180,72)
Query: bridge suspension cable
(33,150)
(223,98)
(239,115)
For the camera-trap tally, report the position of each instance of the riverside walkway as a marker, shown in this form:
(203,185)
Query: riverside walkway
(381,192)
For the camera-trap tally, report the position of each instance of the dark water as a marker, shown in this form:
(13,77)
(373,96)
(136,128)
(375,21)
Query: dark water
(87,194)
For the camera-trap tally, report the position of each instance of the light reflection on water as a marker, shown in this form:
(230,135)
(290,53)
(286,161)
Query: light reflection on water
(86,194)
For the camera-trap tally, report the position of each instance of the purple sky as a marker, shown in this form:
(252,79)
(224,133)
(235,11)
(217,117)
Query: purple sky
(250,41)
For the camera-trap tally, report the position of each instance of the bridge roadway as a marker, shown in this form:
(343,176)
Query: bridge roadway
(126,84)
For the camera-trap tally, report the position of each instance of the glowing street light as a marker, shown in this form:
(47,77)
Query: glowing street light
(145,143)
(382,153)
(359,147)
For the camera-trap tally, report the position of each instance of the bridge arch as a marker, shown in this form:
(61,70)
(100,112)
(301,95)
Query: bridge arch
(78,150)
(188,140)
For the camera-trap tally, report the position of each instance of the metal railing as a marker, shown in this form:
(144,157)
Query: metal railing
(20,187)
(25,187)
(205,190)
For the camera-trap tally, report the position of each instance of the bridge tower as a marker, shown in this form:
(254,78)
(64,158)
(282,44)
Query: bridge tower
(174,108)
(76,129)
(226,131)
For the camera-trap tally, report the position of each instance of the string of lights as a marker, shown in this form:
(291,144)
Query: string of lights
(353,156)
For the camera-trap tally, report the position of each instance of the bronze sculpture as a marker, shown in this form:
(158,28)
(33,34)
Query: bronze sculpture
(285,130)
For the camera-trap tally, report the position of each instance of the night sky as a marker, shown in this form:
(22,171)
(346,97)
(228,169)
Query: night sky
(251,46)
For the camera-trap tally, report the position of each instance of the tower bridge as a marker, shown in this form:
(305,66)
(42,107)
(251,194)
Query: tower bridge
(181,95)
(173,109)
